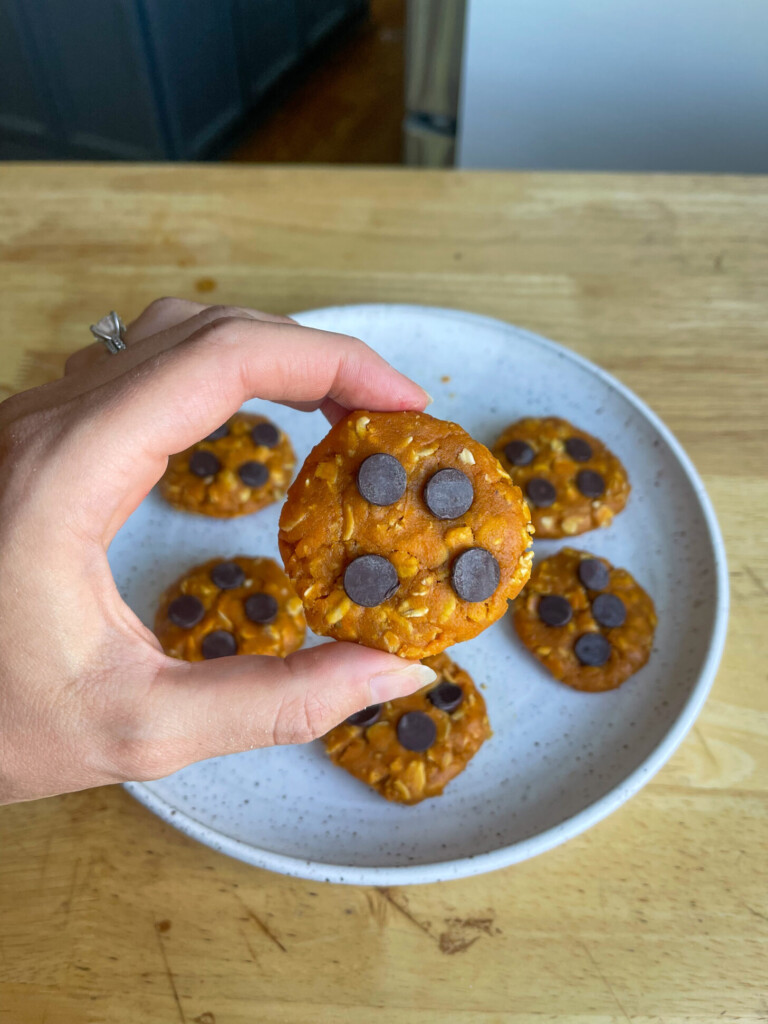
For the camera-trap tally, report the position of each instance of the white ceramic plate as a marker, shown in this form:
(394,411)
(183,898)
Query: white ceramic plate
(559,760)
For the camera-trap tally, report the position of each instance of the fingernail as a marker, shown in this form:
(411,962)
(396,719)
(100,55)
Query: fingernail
(430,399)
(401,682)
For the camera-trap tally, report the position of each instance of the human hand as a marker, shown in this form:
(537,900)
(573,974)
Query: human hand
(87,696)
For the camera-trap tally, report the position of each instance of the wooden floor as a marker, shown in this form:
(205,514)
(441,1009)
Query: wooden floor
(347,107)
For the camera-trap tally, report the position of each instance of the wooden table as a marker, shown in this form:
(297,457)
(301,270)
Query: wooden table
(660,912)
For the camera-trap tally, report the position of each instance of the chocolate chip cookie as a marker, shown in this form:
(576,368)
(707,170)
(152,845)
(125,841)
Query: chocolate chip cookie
(242,466)
(240,605)
(570,479)
(409,749)
(401,532)
(590,624)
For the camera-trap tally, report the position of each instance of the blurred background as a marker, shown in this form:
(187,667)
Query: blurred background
(659,85)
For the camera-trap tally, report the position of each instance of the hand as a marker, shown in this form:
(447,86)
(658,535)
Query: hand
(86,694)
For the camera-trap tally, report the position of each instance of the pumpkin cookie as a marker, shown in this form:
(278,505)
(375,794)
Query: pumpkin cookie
(570,479)
(239,606)
(242,466)
(401,532)
(591,625)
(409,749)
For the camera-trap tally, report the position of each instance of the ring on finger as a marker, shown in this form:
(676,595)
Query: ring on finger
(111,331)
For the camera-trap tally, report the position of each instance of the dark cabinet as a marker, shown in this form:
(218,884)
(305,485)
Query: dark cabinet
(319,17)
(92,58)
(197,71)
(145,79)
(25,105)
(269,42)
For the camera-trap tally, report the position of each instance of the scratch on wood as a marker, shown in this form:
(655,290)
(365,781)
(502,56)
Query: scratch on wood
(169,972)
(450,943)
(706,746)
(257,920)
(604,980)
(458,936)
(376,906)
(66,906)
(249,947)
(44,866)
(479,924)
(756,580)
(763,917)
(601,896)
(406,913)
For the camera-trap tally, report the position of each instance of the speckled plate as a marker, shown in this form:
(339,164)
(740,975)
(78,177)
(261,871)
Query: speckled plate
(559,760)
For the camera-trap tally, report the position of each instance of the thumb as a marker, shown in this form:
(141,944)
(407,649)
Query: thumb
(204,709)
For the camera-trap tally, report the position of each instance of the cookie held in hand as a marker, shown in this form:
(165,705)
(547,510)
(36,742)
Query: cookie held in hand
(403,533)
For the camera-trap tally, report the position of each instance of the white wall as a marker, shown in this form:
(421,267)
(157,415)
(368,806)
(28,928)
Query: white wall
(648,85)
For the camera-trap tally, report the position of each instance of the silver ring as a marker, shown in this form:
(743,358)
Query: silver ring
(111,331)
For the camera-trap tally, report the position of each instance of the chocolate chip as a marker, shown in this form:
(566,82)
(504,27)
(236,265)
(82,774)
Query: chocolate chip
(218,433)
(609,611)
(592,649)
(540,491)
(265,433)
(475,575)
(366,717)
(519,453)
(218,644)
(590,484)
(369,580)
(593,574)
(449,494)
(416,731)
(446,696)
(261,608)
(227,575)
(381,479)
(555,610)
(185,611)
(253,474)
(204,464)
(579,449)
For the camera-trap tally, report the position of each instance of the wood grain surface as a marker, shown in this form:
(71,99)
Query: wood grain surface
(660,913)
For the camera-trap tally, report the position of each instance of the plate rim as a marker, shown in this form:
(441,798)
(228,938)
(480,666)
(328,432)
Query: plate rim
(524,849)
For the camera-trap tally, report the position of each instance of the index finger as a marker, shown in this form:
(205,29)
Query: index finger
(173,399)
(163,324)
